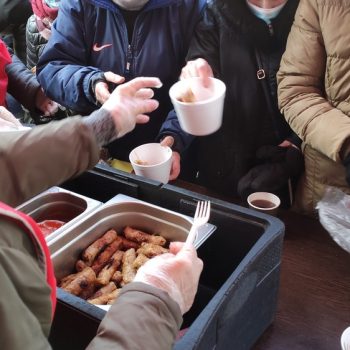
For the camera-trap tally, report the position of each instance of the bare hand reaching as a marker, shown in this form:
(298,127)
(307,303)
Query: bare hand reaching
(198,68)
(176,158)
(129,103)
(45,104)
(102,90)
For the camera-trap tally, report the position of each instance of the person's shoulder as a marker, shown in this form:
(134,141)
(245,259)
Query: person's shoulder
(193,5)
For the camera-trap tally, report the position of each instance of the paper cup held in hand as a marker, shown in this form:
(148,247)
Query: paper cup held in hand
(152,161)
(265,202)
(202,114)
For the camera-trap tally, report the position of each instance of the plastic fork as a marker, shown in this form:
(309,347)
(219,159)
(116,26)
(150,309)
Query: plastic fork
(201,217)
(345,339)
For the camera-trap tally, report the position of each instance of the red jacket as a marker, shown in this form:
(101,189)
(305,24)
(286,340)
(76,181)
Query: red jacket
(5,59)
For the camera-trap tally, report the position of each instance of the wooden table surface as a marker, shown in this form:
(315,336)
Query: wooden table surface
(314,301)
(314,298)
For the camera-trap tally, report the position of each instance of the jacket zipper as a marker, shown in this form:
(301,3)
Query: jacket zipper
(128,59)
(270,29)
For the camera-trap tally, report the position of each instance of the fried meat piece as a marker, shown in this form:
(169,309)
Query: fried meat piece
(140,260)
(117,277)
(151,250)
(140,236)
(112,300)
(187,96)
(105,298)
(107,272)
(66,280)
(127,244)
(102,259)
(91,251)
(88,291)
(110,287)
(80,265)
(128,269)
(81,281)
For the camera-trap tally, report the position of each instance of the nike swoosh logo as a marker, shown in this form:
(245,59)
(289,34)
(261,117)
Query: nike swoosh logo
(99,48)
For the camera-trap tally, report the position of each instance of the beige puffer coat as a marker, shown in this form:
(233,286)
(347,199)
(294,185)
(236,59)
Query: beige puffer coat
(314,94)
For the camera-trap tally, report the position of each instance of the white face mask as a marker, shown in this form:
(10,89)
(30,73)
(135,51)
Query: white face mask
(265,14)
(131,5)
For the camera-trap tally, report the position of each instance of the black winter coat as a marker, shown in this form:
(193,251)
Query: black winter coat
(22,83)
(233,40)
(35,43)
(14,12)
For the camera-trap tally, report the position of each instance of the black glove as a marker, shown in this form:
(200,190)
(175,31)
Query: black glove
(346,163)
(275,166)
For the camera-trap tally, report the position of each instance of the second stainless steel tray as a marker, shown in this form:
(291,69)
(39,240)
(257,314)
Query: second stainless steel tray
(117,214)
(58,204)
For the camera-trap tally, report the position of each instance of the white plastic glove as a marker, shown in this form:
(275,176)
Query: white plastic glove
(128,103)
(177,273)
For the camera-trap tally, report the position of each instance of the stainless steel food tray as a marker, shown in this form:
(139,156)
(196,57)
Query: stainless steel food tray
(118,213)
(58,204)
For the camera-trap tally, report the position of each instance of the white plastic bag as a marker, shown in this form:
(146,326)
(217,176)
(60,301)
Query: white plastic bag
(334,214)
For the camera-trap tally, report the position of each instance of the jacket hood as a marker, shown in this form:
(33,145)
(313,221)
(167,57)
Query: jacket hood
(236,16)
(152,4)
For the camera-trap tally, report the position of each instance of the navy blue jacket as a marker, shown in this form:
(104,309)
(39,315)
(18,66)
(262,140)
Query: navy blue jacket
(160,41)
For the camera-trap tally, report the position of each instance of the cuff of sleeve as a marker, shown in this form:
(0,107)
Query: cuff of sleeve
(345,150)
(163,296)
(93,80)
(295,140)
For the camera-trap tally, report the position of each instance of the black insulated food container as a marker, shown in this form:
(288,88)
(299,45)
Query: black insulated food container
(238,289)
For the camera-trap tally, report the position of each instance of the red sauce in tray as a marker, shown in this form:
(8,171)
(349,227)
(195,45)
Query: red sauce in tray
(49,226)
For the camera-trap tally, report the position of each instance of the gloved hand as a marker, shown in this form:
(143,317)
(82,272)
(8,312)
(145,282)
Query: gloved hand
(276,165)
(177,273)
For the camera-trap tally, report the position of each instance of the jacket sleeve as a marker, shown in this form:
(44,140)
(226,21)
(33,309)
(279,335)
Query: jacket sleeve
(301,86)
(63,70)
(47,155)
(171,127)
(25,304)
(205,42)
(143,317)
(22,83)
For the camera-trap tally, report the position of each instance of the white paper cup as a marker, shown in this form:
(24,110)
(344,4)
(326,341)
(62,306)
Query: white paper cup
(152,160)
(204,116)
(264,201)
